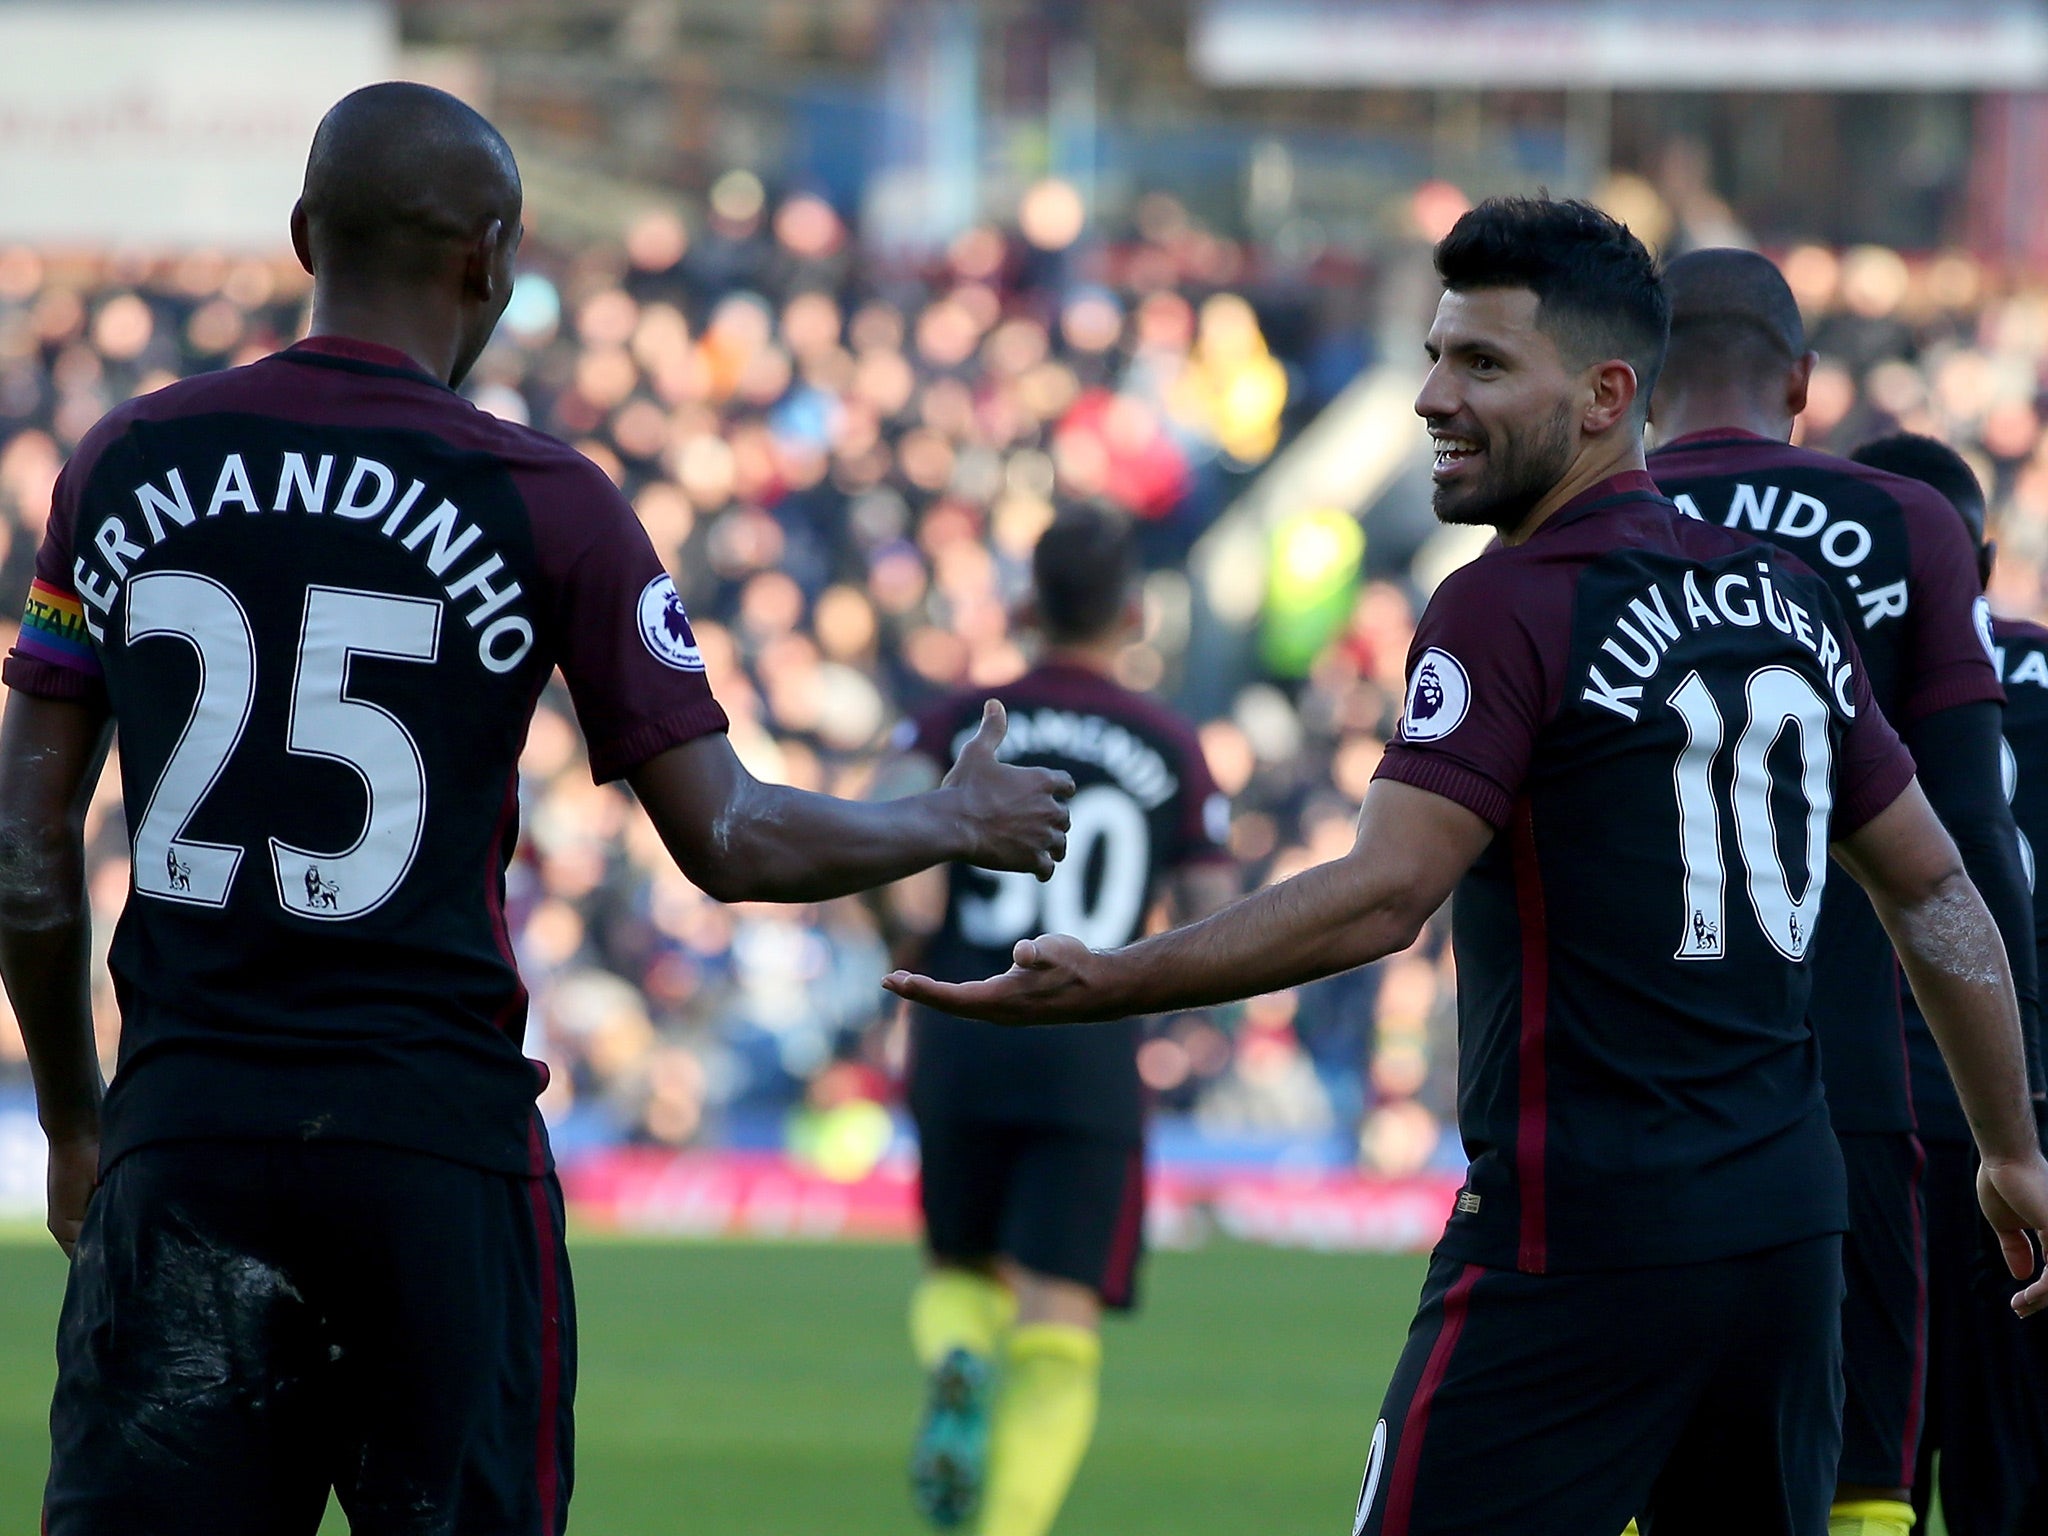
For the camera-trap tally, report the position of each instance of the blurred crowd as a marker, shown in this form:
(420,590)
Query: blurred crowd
(846,462)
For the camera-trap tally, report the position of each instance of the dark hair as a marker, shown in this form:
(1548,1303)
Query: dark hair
(1934,463)
(1596,285)
(1084,567)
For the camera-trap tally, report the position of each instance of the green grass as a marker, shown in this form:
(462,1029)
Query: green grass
(741,1390)
(747,1389)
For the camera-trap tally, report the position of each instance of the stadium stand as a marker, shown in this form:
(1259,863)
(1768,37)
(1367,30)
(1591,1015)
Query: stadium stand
(847,462)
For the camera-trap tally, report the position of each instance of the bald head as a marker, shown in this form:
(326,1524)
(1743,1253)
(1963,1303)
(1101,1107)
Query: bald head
(1733,318)
(401,176)
(409,223)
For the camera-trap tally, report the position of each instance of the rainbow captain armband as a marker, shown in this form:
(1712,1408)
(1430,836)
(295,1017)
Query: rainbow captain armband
(53,629)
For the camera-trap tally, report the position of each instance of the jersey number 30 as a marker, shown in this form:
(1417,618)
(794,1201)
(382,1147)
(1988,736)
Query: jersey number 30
(325,722)
(1020,907)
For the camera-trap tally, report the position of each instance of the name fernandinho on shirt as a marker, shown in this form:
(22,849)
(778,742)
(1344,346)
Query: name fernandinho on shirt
(368,493)
(1658,622)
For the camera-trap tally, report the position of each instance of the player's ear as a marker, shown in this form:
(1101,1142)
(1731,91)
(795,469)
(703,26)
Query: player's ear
(485,274)
(302,238)
(1797,381)
(1613,396)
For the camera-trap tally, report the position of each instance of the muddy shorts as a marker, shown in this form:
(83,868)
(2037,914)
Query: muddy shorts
(249,1325)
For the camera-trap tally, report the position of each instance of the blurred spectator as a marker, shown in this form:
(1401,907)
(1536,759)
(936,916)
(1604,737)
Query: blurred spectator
(847,465)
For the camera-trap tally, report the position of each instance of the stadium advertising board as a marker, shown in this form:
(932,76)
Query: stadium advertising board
(165,126)
(1803,45)
(765,1195)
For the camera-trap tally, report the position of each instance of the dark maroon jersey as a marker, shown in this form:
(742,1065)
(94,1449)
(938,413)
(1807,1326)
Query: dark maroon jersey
(1904,571)
(1667,724)
(321,595)
(1144,805)
(2020,650)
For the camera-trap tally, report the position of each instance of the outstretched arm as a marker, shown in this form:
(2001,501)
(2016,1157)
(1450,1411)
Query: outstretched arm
(741,840)
(908,911)
(1412,848)
(1953,957)
(50,758)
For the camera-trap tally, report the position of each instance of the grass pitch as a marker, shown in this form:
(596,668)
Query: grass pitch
(760,1390)
(757,1390)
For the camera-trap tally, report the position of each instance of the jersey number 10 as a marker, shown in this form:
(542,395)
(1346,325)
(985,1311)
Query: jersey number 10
(1777,697)
(325,722)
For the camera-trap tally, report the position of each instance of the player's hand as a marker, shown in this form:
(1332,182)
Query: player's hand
(74,1171)
(1054,979)
(2015,1200)
(1016,816)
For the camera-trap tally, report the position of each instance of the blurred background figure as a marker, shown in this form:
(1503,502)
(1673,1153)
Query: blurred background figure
(1032,1143)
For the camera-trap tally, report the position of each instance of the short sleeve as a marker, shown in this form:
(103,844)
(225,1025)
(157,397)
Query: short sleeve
(1204,821)
(1875,766)
(929,733)
(1478,693)
(623,641)
(1948,656)
(54,656)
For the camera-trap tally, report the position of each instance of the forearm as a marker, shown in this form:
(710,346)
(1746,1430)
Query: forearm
(1959,973)
(783,844)
(1959,754)
(1325,920)
(45,960)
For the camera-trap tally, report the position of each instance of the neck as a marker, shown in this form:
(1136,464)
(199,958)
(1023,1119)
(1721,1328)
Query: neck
(1682,414)
(403,324)
(1600,460)
(1095,655)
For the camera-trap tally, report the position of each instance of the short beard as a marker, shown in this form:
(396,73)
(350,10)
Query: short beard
(1521,472)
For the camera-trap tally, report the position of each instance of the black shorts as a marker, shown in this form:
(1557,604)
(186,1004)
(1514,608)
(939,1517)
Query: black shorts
(250,1324)
(1054,1199)
(1884,1316)
(1702,1398)
(1987,1380)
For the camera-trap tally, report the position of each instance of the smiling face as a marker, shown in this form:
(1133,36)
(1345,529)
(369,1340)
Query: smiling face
(1503,406)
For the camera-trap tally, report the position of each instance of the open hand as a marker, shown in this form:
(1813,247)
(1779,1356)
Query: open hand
(1055,979)
(1016,816)
(2015,1201)
(74,1171)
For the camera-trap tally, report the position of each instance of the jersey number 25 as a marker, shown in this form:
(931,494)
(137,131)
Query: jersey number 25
(325,722)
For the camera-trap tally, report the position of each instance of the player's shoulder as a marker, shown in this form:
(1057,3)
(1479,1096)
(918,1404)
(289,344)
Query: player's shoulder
(1714,453)
(2020,649)
(1508,601)
(1710,543)
(1924,508)
(570,502)
(558,483)
(1736,454)
(1084,690)
(519,445)
(195,395)
(2023,632)
(1731,451)
(1509,586)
